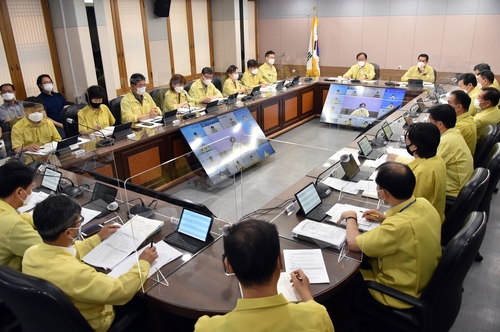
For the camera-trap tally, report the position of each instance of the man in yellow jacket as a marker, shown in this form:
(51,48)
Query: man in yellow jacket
(203,90)
(138,104)
(267,70)
(16,230)
(362,70)
(422,71)
(487,101)
(58,260)
(468,83)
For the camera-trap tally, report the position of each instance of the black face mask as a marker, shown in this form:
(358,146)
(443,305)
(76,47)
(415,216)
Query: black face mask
(94,105)
(409,151)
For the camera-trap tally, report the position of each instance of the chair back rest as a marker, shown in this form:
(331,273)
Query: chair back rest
(240,75)
(443,293)
(467,201)
(435,75)
(71,112)
(217,81)
(494,168)
(39,305)
(116,110)
(158,96)
(187,86)
(377,71)
(488,137)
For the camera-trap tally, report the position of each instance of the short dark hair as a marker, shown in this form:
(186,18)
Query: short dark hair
(488,75)
(362,104)
(398,179)
(94,92)
(136,78)
(444,113)
(252,63)
(426,137)
(176,79)
(207,70)
(54,215)
(468,78)
(231,69)
(40,78)
(5,84)
(482,66)
(268,53)
(462,98)
(491,94)
(425,56)
(362,53)
(13,175)
(252,247)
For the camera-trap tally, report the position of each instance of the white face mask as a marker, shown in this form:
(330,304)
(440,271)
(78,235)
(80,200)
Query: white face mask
(255,71)
(477,103)
(179,89)
(79,233)
(236,76)
(8,96)
(361,63)
(207,82)
(27,199)
(421,64)
(141,90)
(271,61)
(35,117)
(48,87)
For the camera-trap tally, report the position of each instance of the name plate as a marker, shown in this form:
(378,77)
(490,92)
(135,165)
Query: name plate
(73,147)
(131,136)
(79,153)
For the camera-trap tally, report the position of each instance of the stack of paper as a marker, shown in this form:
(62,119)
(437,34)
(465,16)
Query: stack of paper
(36,197)
(363,224)
(320,232)
(144,226)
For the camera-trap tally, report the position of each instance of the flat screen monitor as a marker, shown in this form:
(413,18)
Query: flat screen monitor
(358,105)
(227,144)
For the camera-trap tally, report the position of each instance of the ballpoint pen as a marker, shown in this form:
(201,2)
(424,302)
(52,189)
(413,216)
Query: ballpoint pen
(151,243)
(298,276)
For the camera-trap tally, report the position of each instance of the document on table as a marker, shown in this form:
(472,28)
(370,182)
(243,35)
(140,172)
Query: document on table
(144,226)
(341,185)
(400,152)
(88,214)
(44,149)
(363,224)
(312,230)
(36,197)
(166,254)
(308,260)
(285,287)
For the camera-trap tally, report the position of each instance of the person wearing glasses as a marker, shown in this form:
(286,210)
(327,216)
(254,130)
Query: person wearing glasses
(405,249)
(59,260)
(203,90)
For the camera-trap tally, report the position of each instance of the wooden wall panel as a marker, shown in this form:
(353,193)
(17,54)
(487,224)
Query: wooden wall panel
(291,109)
(308,102)
(271,117)
(143,161)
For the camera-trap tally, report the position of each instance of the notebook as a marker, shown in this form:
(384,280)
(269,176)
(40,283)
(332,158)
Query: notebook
(352,171)
(193,231)
(310,203)
(144,226)
(367,150)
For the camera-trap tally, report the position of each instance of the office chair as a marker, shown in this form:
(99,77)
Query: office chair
(71,129)
(115,108)
(8,322)
(377,71)
(488,137)
(40,306)
(240,75)
(217,81)
(440,301)
(468,200)
(158,96)
(187,86)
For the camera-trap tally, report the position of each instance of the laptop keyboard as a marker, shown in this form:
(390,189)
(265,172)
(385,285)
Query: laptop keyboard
(182,241)
(361,175)
(375,154)
(319,213)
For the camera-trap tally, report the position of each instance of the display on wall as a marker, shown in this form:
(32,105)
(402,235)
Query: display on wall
(358,106)
(227,144)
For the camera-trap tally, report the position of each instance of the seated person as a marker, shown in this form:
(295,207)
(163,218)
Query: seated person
(422,141)
(482,67)
(11,111)
(460,101)
(203,90)
(138,104)
(405,249)
(232,84)
(267,70)
(95,115)
(252,253)
(421,71)
(176,97)
(468,83)
(16,229)
(363,70)
(452,148)
(485,78)
(487,101)
(59,260)
(33,130)
(361,111)
(251,77)
(53,102)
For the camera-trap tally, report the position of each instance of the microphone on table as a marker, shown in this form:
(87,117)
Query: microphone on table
(323,189)
(390,83)
(104,142)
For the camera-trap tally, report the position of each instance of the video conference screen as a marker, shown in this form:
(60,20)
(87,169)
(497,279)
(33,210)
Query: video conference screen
(227,144)
(358,106)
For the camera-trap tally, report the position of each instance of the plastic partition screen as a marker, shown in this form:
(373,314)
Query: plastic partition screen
(228,143)
(358,106)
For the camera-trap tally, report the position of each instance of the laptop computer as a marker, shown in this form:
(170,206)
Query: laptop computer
(421,106)
(295,81)
(280,85)
(310,203)
(367,151)
(386,128)
(232,99)
(255,92)
(414,83)
(101,197)
(50,181)
(193,231)
(122,130)
(352,171)
(212,106)
(168,117)
(408,121)
(63,147)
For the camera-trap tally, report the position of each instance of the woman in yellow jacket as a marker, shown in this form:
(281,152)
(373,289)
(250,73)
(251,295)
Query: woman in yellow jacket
(176,97)
(232,84)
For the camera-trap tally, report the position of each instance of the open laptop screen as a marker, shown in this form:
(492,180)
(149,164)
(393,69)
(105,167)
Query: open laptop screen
(364,145)
(106,193)
(387,130)
(308,198)
(194,224)
(51,179)
(350,167)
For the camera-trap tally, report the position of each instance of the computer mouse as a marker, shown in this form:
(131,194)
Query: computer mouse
(112,206)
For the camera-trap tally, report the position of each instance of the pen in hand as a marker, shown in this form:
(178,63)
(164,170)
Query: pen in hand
(298,276)
(151,243)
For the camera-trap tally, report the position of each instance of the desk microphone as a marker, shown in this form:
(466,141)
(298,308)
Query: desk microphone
(390,83)
(323,189)
(104,142)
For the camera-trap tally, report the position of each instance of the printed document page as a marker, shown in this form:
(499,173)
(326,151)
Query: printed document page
(308,260)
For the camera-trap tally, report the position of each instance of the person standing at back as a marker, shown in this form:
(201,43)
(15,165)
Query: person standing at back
(53,102)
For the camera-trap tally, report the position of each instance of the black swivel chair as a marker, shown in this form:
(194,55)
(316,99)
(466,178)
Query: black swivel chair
(468,200)
(71,112)
(217,81)
(440,301)
(187,86)
(115,108)
(42,307)
(377,71)
(488,137)
(158,96)
(240,75)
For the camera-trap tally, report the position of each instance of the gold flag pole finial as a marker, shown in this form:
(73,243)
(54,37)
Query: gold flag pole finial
(314,8)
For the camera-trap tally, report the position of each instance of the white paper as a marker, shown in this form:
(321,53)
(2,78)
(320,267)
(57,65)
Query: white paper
(285,287)
(149,124)
(363,225)
(166,254)
(144,226)
(399,152)
(108,131)
(341,185)
(82,140)
(36,197)
(88,214)
(320,231)
(308,260)
(44,149)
